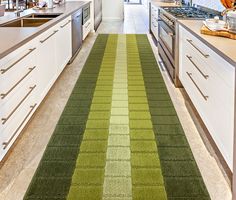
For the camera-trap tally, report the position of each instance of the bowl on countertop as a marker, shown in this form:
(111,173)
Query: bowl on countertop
(215,24)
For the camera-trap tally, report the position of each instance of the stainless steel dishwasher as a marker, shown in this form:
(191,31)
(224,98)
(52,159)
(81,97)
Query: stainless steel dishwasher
(77,33)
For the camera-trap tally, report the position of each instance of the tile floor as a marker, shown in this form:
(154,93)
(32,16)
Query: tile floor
(17,171)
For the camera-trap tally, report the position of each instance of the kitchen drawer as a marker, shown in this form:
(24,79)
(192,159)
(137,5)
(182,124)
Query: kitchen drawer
(64,22)
(86,28)
(212,60)
(154,10)
(15,126)
(15,61)
(154,28)
(13,83)
(15,97)
(213,99)
(13,108)
(208,79)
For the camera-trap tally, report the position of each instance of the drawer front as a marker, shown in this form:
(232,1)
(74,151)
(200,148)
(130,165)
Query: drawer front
(14,98)
(15,61)
(212,60)
(12,108)
(64,22)
(86,29)
(212,97)
(15,125)
(154,22)
(12,84)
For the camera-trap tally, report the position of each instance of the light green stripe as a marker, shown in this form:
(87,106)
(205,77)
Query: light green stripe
(88,177)
(117,183)
(147,177)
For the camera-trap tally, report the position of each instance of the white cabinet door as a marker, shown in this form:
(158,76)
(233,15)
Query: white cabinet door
(63,44)
(46,60)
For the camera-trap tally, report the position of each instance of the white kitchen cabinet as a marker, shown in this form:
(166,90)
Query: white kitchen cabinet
(87,28)
(46,60)
(209,81)
(26,75)
(154,21)
(18,93)
(63,47)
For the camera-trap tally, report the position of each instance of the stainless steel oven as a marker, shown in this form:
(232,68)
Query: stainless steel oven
(166,42)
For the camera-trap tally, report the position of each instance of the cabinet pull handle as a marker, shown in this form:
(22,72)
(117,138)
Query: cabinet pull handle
(6,69)
(54,32)
(191,42)
(191,60)
(5,144)
(3,95)
(4,120)
(62,26)
(204,96)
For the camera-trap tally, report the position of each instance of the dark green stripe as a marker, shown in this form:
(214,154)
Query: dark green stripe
(52,179)
(181,174)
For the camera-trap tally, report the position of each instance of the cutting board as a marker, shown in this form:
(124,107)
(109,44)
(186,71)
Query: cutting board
(206,31)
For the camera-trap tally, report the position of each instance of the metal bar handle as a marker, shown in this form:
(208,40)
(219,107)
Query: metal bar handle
(3,95)
(44,40)
(5,144)
(204,96)
(62,26)
(191,60)
(191,42)
(5,119)
(6,69)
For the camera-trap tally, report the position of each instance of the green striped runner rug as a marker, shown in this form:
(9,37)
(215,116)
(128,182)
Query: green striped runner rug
(119,137)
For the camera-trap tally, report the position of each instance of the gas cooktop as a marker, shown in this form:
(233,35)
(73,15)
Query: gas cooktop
(189,12)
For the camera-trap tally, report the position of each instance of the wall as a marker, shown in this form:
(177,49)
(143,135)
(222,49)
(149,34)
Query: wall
(112,10)
(213,4)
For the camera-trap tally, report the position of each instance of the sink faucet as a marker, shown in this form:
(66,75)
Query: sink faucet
(18,11)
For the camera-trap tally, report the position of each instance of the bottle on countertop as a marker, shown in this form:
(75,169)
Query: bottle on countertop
(50,4)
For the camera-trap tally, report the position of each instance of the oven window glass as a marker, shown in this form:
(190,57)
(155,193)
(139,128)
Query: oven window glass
(166,38)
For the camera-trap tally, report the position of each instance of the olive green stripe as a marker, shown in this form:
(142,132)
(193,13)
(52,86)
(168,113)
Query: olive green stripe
(88,177)
(147,179)
(181,174)
(52,178)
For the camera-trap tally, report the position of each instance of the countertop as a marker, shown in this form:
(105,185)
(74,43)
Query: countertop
(225,47)
(160,3)
(13,38)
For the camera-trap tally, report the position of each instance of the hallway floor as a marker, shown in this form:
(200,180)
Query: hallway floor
(17,171)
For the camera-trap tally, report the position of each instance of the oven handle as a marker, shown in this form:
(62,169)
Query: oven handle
(166,29)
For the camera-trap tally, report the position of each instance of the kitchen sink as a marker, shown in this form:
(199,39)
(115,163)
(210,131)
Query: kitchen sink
(43,15)
(33,20)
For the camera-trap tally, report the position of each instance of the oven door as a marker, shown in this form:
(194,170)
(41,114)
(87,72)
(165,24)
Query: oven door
(167,39)
(86,14)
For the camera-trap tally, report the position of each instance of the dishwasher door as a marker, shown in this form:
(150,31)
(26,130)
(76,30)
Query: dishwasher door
(77,33)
